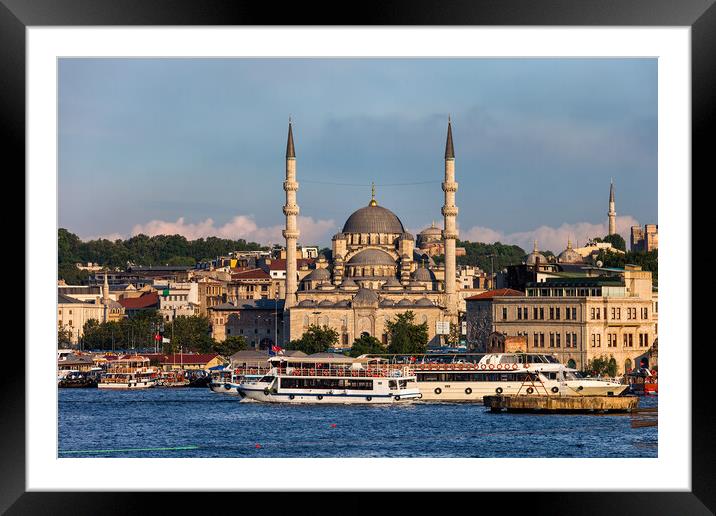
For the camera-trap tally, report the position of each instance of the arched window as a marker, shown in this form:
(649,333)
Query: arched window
(571,363)
(627,365)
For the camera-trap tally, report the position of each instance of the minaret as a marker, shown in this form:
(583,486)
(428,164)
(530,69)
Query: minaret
(105,295)
(450,234)
(290,209)
(612,212)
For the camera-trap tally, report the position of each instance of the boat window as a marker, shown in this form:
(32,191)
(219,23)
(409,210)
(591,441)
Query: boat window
(403,384)
(392,384)
(267,378)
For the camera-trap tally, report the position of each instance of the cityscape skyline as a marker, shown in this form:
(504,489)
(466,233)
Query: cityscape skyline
(176,142)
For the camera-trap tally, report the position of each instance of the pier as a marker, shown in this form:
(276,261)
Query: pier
(569,404)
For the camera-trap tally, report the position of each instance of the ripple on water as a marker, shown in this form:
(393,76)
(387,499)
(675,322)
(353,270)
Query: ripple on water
(222,426)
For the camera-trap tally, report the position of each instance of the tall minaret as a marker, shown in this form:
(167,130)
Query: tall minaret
(105,295)
(450,229)
(612,212)
(290,209)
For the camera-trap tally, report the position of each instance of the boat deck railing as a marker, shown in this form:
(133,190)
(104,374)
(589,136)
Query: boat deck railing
(368,372)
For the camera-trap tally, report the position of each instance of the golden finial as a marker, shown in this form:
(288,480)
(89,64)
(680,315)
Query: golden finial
(372,195)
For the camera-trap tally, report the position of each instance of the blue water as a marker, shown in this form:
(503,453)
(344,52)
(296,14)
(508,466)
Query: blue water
(206,424)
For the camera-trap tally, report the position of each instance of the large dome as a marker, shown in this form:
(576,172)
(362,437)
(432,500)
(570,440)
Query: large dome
(373,219)
(372,257)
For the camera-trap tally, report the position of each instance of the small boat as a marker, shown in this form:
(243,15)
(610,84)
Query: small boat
(227,380)
(129,372)
(346,380)
(172,379)
(643,382)
(78,380)
(198,378)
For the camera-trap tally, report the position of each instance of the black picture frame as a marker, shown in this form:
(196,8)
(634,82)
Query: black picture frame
(700,15)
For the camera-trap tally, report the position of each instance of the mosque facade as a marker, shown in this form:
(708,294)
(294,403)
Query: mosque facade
(375,271)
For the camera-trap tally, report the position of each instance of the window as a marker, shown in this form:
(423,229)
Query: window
(551,313)
(541,340)
(551,339)
(574,340)
(504,313)
(574,313)
(534,313)
(599,340)
(594,340)
(541,314)
(558,340)
(557,315)
(535,343)
(568,341)
(591,312)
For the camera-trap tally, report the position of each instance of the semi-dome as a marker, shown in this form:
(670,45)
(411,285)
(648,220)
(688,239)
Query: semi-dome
(318,275)
(404,302)
(307,302)
(387,303)
(373,219)
(423,274)
(423,301)
(342,303)
(325,303)
(348,283)
(372,257)
(365,297)
(392,283)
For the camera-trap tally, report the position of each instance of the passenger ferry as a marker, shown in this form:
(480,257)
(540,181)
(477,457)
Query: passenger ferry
(334,379)
(129,372)
(172,379)
(470,377)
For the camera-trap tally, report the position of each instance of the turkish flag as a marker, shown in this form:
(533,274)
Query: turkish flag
(157,337)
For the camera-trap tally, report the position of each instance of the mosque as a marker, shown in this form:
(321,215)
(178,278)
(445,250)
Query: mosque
(375,271)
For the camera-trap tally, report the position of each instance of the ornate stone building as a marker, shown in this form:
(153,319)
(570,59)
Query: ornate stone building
(375,271)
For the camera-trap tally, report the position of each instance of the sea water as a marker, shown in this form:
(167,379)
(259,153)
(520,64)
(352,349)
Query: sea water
(193,422)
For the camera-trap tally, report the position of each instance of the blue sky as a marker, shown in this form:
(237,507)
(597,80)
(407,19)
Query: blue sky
(196,146)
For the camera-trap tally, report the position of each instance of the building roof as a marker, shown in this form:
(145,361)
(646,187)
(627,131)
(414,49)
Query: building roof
(318,275)
(577,282)
(500,292)
(373,219)
(279,264)
(147,300)
(250,274)
(64,300)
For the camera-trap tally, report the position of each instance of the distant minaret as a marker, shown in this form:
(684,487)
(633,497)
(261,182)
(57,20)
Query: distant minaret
(612,212)
(105,295)
(290,209)
(450,233)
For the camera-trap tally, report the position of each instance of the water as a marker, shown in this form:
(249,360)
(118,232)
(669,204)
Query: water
(199,423)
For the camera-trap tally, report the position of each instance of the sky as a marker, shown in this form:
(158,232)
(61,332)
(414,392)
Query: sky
(197,146)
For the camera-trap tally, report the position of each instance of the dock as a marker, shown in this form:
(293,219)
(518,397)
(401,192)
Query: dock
(565,404)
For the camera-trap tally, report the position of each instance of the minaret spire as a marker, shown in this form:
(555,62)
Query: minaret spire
(612,214)
(291,210)
(450,232)
(290,150)
(449,149)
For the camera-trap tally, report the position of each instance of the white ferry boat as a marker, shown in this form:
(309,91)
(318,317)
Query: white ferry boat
(335,379)
(129,372)
(469,379)
(227,380)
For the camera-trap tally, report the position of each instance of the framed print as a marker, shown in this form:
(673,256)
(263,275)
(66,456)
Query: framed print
(267,226)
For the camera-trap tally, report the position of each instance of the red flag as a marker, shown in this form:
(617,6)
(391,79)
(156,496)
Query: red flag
(157,337)
(276,348)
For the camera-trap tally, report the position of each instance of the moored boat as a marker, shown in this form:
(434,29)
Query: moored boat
(77,380)
(642,382)
(472,378)
(346,380)
(172,379)
(129,372)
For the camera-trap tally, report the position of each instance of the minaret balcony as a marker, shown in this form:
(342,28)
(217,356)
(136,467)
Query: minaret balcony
(290,186)
(291,234)
(291,209)
(449,211)
(450,186)
(450,235)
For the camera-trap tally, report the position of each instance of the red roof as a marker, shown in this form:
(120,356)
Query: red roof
(251,274)
(182,358)
(279,264)
(147,300)
(500,292)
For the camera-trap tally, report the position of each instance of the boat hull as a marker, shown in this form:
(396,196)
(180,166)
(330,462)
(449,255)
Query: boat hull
(147,384)
(225,388)
(475,391)
(325,397)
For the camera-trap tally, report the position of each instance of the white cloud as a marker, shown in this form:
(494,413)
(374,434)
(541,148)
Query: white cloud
(241,226)
(550,238)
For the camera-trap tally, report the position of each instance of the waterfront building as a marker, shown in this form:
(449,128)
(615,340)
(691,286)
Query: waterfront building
(72,314)
(374,272)
(184,361)
(614,314)
(259,321)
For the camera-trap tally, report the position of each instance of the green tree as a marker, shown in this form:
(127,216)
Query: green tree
(231,345)
(616,240)
(365,345)
(316,339)
(406,337)
(190,333)
(602,366)
(647,261)
(64,338)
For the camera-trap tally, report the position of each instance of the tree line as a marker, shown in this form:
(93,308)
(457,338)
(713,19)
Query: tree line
(140,250)
(482,255)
